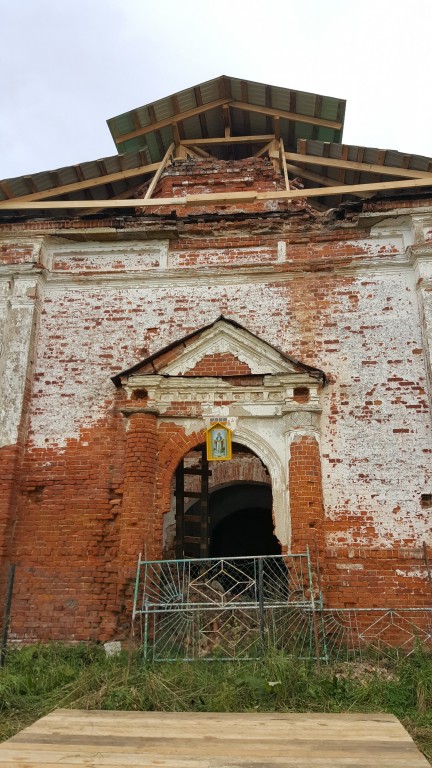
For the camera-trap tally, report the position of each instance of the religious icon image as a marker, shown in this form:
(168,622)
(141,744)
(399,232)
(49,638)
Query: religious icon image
(218,442)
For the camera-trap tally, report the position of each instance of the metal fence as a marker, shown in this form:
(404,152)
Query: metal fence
(356,633)
(225,608)
(243,607)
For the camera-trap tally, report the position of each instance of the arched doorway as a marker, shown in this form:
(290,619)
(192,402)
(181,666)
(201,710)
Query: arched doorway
(241,521)
(222,509)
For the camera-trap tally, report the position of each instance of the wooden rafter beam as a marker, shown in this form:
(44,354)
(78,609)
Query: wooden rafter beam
(6,189)
(242,105)
(309,119)
(76,186)
(127,194)
(318,179)
(221,198)
(227,120)
(264,149)
(198,151)
(297,171)
(284,163)
(244,90)
(193,153)
(330,162)
(176,134)
(269,103)
(176,118)
(176,111)
(343,170)
(156,177)
(201,117)
(317,112)
(228,140)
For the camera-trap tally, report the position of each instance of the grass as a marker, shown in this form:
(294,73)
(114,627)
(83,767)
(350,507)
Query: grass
(37,679)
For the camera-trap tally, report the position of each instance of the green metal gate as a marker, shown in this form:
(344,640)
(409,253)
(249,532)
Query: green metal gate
(227,608)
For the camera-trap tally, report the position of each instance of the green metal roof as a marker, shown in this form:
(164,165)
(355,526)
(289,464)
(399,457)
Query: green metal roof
(210,124)
(309,124)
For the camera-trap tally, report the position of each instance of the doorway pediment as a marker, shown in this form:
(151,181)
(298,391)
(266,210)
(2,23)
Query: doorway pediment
(224,348)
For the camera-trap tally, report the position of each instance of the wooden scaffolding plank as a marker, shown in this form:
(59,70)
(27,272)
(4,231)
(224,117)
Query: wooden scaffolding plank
(98,181)
(112,739)
(222,198)
(159,171)
(298,118)
(330,162)
(228,140)
(176,118)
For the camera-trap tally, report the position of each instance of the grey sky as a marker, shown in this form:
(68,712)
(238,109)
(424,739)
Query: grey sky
(68,65)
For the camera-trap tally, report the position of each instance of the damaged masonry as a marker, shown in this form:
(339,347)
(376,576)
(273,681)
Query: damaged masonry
(233,264)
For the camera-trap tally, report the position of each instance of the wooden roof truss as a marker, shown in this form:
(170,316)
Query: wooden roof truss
(320,175)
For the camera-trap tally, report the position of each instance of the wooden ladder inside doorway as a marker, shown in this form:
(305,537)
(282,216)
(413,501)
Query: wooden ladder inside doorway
(192,529)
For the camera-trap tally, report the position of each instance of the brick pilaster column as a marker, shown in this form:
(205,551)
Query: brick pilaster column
(137,531)
(306,496)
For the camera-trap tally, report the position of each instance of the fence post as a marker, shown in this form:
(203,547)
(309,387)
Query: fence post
(7,614)
(314,616)
(261,602)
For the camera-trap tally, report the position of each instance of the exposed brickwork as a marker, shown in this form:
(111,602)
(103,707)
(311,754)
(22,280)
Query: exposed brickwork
(66,541)
(369,577)
(219,365)
(92,487)
(306,496)
(9,477)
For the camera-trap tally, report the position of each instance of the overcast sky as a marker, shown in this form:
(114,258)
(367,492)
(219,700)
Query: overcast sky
(69,65)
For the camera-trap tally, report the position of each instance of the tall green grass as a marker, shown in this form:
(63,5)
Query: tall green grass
(39,678)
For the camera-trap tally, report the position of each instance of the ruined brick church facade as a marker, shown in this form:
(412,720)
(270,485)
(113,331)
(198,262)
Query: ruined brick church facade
(210,272)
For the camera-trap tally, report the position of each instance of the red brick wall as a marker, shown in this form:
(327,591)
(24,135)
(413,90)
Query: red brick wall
(219,365)
(306,496)
(373,578)
(9,478)
(66,540)
(85,478)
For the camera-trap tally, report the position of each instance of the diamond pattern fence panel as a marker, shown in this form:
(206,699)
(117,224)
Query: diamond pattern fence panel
(226,608)
(358,633)
(244,607)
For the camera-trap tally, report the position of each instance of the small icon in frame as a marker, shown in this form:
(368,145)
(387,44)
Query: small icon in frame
(219,443)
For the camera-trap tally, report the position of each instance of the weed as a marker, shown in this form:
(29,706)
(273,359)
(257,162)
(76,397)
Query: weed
(40,678)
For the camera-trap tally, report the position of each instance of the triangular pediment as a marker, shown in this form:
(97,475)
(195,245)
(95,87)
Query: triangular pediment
(224,348)
(224,339)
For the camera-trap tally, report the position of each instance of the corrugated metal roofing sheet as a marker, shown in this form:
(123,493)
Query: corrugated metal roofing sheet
(50,180)
(150,147)
(256,94)
(371,155)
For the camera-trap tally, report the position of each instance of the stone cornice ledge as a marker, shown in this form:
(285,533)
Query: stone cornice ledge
(131,411)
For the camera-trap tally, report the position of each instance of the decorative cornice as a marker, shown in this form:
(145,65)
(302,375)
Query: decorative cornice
(131,411)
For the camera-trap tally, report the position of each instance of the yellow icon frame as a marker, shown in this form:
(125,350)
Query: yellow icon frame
(211,454)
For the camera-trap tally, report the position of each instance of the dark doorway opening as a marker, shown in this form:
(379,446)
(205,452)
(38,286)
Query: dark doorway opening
(240,521)
(248,532)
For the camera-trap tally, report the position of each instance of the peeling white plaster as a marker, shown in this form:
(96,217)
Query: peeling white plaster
(366,333)
(412,574)
(18,307)
(110,257)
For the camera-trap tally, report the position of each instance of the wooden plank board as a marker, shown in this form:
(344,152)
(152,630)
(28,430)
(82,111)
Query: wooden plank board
(179,117)
(212,740)
(228,140)
(353,165)
(295,116)
(96,181)
(158,173)
(219,198)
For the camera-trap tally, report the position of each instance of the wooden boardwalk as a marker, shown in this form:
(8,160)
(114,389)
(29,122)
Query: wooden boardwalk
(183,740)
